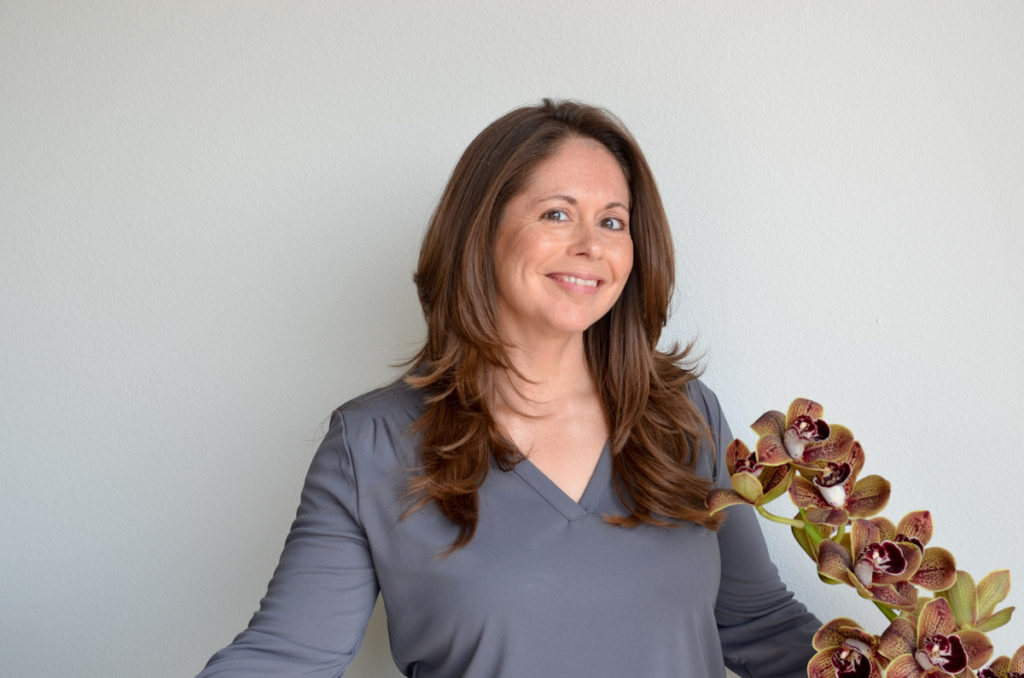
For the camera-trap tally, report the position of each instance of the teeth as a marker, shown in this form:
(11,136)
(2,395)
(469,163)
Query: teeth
(578,281)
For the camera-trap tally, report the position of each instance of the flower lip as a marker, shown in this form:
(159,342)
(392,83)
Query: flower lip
(885,557)
(944,652)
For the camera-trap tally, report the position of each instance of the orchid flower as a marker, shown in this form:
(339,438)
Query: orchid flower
(974,607)
(845,650)
(873,563)
(752,482)
(800,436)
(1005,667)
(935,648)
(834,495)
(937,571)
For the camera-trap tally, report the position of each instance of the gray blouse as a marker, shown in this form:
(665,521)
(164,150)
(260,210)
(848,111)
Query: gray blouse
(546,587)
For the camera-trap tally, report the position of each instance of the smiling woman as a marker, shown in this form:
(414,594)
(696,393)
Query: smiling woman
(530,500)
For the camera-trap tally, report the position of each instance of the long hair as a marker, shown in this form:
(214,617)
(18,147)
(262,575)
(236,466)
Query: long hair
(655,429)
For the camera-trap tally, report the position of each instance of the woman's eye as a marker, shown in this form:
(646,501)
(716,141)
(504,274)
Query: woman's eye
(613,223)
(556,215)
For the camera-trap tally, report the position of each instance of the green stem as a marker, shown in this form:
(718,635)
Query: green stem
(889,613)
(785,521)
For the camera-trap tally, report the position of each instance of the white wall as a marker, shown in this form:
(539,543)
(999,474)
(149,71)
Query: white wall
(210,213)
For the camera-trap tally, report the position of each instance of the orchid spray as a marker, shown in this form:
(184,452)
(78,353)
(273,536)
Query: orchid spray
(938,616)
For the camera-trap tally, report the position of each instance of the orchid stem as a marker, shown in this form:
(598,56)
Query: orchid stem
(779,519)
(889,613)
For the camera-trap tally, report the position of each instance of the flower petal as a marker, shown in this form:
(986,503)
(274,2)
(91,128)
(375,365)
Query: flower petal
(1017,661)
(720,498)
(820,665)
(776,480)
(804,494)
(832,634)
(837,447)
(904,666)
(993,622)
(936,618)
(902,594)
(804,407)
(771,422)
(735,454)
(869,496)
(992,590)
(937,571)
(771,451)
(977,645)
(900,638)
(886,530)
(747,485)
(962,599)
(862,534)
(829,516)
(916,525)
(833,561)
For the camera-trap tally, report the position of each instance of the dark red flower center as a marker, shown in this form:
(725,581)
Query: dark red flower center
(886,558)
(913,540)
(944,652)
(849,663)
(749,464)
(835,474)
(810,429)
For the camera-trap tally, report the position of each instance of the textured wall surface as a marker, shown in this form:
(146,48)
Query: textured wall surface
(209,215)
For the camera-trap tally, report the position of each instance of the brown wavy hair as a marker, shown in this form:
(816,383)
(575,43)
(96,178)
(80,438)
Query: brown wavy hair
(655,429)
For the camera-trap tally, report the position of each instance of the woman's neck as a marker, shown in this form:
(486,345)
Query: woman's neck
(550,375)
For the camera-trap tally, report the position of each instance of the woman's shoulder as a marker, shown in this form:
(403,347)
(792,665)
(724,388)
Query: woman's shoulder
(379,424)
(397,401)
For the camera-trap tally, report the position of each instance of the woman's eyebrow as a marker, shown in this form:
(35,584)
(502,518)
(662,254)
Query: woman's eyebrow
(572,201)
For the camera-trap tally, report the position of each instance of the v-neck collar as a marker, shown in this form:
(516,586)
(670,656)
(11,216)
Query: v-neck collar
(554,495)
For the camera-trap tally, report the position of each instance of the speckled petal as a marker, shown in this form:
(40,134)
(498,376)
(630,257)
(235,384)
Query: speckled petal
(886,529)
(978,647)
(720,498)
(776,480)
(828,516)
(870,495)
(899,638)
(836,447)
(832,634)
(804,494)
(803,406)
(734,454)
(863,533)
(834,561)
(936,617)
(1017,661)
(916,525)
(904,666)
(771,451)
(820,665)
(902,594)
(771,422)
(937,571)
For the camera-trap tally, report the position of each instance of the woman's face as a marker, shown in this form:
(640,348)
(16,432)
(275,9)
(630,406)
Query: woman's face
(563,249)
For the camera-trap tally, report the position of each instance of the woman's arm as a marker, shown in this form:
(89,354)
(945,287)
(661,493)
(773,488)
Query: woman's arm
(318,603)
(764,631)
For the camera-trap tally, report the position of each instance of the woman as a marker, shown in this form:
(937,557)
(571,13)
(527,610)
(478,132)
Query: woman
(529,500)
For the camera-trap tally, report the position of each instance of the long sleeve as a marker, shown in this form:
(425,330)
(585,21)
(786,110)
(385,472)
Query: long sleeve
(315,612)
(764,631)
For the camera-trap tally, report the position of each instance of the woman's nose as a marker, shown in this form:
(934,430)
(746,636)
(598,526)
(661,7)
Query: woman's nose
(587,241)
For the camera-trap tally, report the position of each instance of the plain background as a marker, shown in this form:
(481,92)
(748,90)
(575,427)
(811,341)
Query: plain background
(210,213)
